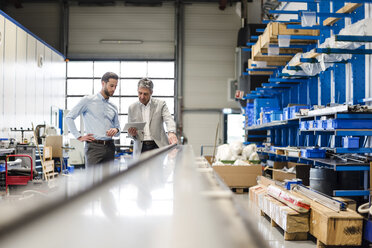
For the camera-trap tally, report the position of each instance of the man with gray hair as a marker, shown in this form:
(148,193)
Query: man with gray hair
(154,112)
(101,122)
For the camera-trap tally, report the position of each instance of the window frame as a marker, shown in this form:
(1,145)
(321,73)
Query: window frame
(121,78)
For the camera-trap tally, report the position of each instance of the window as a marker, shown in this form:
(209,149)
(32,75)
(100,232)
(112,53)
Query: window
(84,78)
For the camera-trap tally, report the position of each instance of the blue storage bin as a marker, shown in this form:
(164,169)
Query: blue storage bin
(295,109)
(350,142)
(249,111)
(313,153)
(304,125)
(349,124)
(259,103)
(319,124)
(2,167)
(329,124)
(266,117)
(324,124)
(275,115)
(286,113)
(312,125)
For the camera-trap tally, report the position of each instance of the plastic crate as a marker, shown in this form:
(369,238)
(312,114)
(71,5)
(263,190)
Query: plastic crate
(319,125)
(286,113)
(312,125)
(304,125)
(275,115)
(259,103)
(266,117)
(313,153)
(350,142)
(295,109)
(348,124)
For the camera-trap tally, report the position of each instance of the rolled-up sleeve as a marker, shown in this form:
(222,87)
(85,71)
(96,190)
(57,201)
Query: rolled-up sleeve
(117,123)
(71,116)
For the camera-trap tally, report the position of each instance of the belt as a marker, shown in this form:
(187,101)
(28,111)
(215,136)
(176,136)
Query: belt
(148,142)
(102,142)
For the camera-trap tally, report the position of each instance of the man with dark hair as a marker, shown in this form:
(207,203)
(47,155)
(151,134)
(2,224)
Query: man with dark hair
(155,113)
(101,122)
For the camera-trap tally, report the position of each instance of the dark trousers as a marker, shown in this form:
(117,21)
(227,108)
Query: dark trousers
(148,145)
(99,153)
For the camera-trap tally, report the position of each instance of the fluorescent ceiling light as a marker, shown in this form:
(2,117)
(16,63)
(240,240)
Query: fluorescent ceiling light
(121,41)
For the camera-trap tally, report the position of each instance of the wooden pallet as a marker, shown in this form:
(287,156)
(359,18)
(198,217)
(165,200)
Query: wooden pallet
(48,163)
(240,190)
(287,236)
(295,225)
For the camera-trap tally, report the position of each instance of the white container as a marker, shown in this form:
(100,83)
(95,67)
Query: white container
(308,19)
(284,40)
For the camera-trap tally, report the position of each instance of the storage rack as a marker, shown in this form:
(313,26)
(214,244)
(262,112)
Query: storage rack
(294,89)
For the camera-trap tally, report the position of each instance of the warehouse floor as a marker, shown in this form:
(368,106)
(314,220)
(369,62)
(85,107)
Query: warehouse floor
(273,235)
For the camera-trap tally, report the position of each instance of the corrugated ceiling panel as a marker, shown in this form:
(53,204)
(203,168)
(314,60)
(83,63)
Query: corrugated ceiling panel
(153,25)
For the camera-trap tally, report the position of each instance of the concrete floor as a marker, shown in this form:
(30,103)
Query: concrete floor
(273,235)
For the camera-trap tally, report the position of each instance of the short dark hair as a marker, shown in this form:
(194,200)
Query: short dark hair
(146,83)
(106,77)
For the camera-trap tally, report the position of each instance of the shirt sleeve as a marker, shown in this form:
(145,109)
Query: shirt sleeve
(117,123)
(80,108)
(168,119)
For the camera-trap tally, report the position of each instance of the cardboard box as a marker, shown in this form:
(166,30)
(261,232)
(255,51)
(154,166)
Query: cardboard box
(55,142)
(302,172)
(239,176)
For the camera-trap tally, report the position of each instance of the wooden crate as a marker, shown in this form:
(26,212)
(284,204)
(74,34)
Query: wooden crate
(332,228)
(295,225)
(273,29)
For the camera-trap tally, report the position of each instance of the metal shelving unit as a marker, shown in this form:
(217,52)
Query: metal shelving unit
(303,89)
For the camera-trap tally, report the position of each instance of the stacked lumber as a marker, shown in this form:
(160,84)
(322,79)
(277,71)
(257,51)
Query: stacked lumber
(260,50)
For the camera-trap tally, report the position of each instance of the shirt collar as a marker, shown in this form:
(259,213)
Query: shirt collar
(101,97)
(148,104)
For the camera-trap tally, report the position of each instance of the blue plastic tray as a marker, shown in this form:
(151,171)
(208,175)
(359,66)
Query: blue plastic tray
(313,153)
(295,109)
(350,142)
(312,125)
(286,115)
(275,115)
(304,125)
(348,124)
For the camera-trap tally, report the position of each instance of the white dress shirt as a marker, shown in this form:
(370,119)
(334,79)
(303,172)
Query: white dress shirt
(146,118)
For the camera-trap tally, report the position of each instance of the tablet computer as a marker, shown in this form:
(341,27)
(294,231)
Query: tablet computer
(137,125)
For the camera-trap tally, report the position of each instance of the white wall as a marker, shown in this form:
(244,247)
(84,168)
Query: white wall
(210,40)
(27,91)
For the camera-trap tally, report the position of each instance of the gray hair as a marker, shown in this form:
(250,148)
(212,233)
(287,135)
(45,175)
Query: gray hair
(106,77)
(146,83)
